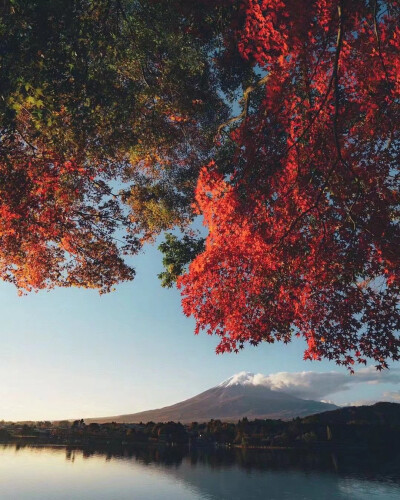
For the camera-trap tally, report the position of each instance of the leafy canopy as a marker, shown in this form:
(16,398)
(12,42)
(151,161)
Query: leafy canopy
(304,233)
(118,122)
(105,120)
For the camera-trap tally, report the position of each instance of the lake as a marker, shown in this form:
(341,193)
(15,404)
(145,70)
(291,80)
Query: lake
(55,473)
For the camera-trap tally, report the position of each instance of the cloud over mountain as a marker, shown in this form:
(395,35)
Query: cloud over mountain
(281,395)
(313,385)
(392,396)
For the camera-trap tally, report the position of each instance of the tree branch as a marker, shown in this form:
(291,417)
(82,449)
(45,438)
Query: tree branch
(335,77)
(378,39)
(245,101)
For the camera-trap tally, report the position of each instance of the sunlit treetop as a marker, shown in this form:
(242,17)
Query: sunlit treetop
(304,234)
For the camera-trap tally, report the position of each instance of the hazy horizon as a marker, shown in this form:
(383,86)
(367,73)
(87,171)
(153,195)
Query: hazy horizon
(71,353)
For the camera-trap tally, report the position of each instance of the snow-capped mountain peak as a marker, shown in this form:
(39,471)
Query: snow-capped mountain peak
(242,395)
(242,378)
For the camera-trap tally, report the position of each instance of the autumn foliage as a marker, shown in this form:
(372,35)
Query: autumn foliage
(104,124)
(304,233)
(52,233)
(115,127)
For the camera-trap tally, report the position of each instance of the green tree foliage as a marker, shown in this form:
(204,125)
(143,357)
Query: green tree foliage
(126,92)
(178,253)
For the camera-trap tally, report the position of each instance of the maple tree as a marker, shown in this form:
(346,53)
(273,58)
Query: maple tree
(104,117)
(115,127)
(304,233)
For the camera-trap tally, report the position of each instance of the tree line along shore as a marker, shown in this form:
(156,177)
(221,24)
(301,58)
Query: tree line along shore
(365,427)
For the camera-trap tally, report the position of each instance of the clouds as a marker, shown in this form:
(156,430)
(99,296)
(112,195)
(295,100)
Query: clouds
(314,385)
(392,396)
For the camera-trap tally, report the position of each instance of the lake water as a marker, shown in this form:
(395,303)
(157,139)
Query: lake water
(55,473)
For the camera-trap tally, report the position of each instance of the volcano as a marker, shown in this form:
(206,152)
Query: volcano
(237,397)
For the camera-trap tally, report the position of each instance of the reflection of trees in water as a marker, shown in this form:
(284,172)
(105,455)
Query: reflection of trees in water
(370,465)
(376,465)
(146,455)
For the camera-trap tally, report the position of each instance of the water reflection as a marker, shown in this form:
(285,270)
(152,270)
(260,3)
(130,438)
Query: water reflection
(173,473)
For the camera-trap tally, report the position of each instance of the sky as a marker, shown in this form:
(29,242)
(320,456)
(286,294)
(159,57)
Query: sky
(71,353)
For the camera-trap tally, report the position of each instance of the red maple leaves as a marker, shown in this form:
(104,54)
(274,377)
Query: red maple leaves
(304,235)
(50,232)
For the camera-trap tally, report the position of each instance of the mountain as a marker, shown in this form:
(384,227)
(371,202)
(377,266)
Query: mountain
(239,396)
(382,413)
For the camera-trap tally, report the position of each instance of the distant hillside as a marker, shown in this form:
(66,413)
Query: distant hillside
(377,414)
(229,401)
(364,430)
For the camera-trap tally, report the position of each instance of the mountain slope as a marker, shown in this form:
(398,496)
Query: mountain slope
(231,400)
(382,413)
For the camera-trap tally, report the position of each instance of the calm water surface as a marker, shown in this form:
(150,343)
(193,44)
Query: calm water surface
(51,473)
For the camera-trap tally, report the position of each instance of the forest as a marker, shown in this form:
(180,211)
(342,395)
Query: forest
(350,428)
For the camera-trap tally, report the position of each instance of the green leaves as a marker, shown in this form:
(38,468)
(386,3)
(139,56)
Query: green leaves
(178,253)
(124,90)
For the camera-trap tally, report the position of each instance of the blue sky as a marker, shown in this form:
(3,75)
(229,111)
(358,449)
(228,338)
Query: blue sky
(72,353)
